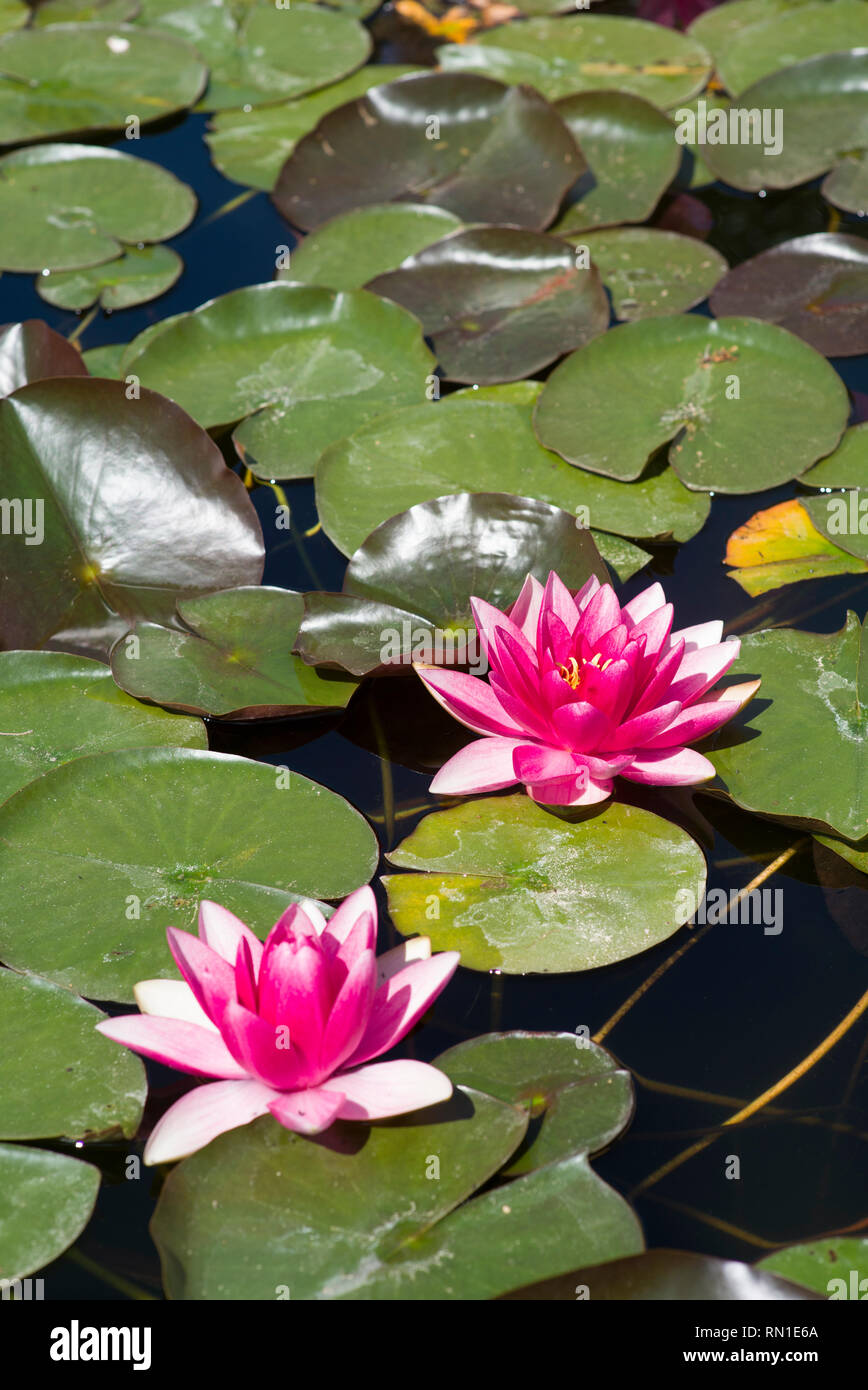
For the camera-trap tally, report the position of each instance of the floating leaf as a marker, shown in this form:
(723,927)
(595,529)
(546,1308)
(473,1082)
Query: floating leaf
(232,659)
(782,37)
(164,828)
(347,252)
(483,441)
(650,273)
(252,146)
(720,392)
(137,276)
(63,207)
(665,1276)
(30,351)
(75,77)
(105,361)
(588,53)
(781,545)
(499,303)
(854,854)
(46,1200)
(314,364)
(54,707)
(816,286)
(520,889)
(842,519)
(817,686)
(631,153)
(485,152)
(847,185)
(826,1265)
(58,1075)
(82,12)
(191,527)
(14,14)
(847,466)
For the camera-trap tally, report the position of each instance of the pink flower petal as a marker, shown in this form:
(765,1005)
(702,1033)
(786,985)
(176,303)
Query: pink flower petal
(483,766)
(583,596)
(266,1051)
(246,990)
(202,1114)
(699,636)
(175,1043)
(490,622)
(295,989)
(647,602)
(222,930)
(676,767)
(469,700)
(559,599)
(359,907)
(401,1001)
(210,977)
(307,1112)
(172,999)
(534,763)
(390,962)
(529,719)
(657,689)
(582,726)
(602,613)
(525,611)
(350,1012)
(635,732)
(389,1088)
(564,791)
(694,723)
(700,669)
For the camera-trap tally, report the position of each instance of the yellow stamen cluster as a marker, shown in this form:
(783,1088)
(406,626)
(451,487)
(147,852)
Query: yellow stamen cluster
(572,671)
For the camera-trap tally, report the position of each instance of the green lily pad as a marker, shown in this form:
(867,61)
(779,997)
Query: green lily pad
(717,27)
(847,185)
(824,1265)
(843,519)
(658,1276)
(718,391)
(854,854)
(105,361)
(55,707)
(709,101)
(46,1201)
(138,275)
(82,12)
(30,351)
(519,889)
(409,585)
(14,14)
(76,77)
(583,1099)
(64,207)
(631,153)
(782,545)
(588,53)
(499,303)
(308,365)
(483,441)
(347,252)
(651,274)
(232,659)
(252,146)
(190,529)
(784,37)
(483,151)
(817,684)
(165,827)
(58,1076)
(816,286)
(847,466)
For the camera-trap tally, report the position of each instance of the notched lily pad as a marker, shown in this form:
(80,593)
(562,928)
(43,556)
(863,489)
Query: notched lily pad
(651,274)
(847,466)
(347,252)
(135,277)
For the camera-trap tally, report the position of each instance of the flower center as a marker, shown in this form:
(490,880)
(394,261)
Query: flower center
(572,672)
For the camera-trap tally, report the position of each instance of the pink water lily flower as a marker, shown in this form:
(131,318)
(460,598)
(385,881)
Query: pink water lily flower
(581,690)
(289,1026)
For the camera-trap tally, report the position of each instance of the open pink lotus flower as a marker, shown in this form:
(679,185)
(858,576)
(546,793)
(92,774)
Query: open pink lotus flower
(287,1026)
(582,690)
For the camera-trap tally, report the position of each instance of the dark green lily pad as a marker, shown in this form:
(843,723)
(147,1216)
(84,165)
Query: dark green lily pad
(631,153)
(251,146)
(847,466)
(817,686)
(58,1076)
(30,351)
(347,252)
(63,207)
(847,185)
(843,519)
(231,659)
(128,843)
(76,77)
(717,27)
(519,889)
(582,1097)
(816,286)
(718,391)
(307,365)
(46,1200)
(588,53)
(138,275)
(82,12)
(414,577)
(651,274)
(826,1265)
(483,441)
(665,1276)
(54,707)
(486,152)
(855,854)
(499,303)
(783,38)
(105,361)
(190,529)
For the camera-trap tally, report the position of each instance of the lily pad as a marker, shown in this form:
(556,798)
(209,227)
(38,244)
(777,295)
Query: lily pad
(483,441)
(231,659)
(64,207)
(817,686)
(82,12)
(631,153)
(854,854)
(347,252)
(649,273)
(718,391)
(162,828)
(46,1200)
(847,185)
(717,27)
(252,146)
(781,545)
(847,466)
(783,38)
(519,889)
(816,286)
(588,53)
(409,585)
(55,707)
(826,1265)
(499,303)
(76,77)
(138,275)
(58,1076)
(30,351)
(843,519)
(105,361)
(483,151)
(14,14)
(666,1276)
(191,527)
(309,365)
